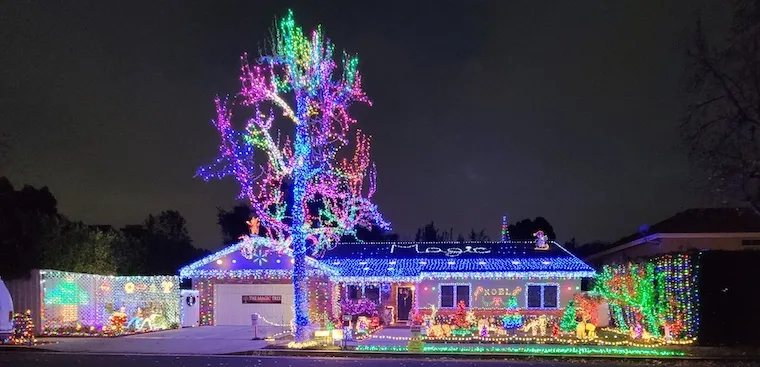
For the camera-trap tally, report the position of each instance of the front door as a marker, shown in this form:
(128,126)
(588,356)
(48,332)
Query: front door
(404,297)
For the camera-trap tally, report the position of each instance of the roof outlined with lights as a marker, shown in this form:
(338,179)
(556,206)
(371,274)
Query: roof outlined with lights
(397,261)
(418,260)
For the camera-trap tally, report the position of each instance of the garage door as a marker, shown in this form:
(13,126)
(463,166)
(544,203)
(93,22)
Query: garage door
(234,303)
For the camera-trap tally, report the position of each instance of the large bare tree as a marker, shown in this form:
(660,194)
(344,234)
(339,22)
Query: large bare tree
(722,123)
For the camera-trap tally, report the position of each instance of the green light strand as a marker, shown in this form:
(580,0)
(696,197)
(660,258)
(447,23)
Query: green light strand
(533,350)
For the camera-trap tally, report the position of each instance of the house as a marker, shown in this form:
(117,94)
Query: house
(400,277)
(251,277)
(730,229)
(702,268)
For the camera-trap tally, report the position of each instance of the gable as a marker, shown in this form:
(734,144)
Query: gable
(253,257)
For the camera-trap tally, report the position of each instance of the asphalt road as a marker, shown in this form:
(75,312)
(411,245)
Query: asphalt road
(43,359)
(39,359)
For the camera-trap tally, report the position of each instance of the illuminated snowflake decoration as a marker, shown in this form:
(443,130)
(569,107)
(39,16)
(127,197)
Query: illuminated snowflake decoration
(246,250)
(260,257)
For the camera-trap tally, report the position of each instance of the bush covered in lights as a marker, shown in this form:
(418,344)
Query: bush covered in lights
(652,298)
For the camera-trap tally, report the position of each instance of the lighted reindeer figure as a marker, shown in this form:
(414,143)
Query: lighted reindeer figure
(536,325)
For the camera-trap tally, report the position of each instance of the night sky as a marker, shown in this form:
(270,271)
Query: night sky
(563,109)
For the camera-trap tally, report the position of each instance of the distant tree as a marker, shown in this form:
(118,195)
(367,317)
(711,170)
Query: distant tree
(161,245)
(234,223)
(571,245)
(430,233)
(524,229)
(26,216)
(722,122)
(479,236)
(169,244)
(460,238)
(74,246)
(131,253)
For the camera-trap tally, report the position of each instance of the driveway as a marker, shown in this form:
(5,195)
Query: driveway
(198,340)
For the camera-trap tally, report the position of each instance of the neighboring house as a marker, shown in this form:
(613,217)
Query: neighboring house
(400,277)
(728,229)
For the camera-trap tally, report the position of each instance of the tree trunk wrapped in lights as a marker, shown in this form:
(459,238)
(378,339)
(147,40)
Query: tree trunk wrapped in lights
(297,79)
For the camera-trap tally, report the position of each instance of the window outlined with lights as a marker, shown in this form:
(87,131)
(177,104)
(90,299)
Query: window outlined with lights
(449,294)
(542,296)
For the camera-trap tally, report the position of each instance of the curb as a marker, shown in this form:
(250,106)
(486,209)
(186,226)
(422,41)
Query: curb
(20,348)
(488,356)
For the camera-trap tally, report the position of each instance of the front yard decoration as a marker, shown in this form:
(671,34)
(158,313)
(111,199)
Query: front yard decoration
(76,304)
(652,300)
(569,319)
(23,329)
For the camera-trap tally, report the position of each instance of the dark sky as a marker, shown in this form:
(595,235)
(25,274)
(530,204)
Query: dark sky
(564,109)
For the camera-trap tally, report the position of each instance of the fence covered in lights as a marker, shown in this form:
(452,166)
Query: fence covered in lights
(87,304)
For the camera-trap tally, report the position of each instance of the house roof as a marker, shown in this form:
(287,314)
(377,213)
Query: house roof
(692,221)
(415,260)
(398,261)
(253,257)
(703,220)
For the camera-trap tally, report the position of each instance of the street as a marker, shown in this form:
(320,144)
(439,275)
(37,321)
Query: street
(43,359)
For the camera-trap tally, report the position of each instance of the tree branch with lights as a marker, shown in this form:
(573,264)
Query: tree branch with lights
(309,165)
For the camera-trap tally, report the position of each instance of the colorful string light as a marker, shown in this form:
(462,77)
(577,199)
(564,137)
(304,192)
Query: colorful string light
(75,304)
(309,160)
(658,297)
(533,350)
(23,329)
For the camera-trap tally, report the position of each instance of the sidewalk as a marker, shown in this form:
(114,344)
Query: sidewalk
(201,340)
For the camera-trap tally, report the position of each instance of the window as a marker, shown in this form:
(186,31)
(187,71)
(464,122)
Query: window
(750,242)
(542,296)
(372,293)
(354,292)
(451,294)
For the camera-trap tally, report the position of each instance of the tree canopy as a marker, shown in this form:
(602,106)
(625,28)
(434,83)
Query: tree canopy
(524,229)
(721,126)
(34,235)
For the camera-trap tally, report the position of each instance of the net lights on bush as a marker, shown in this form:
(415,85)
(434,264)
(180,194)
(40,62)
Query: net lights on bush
(539,350)
(308,163)
(654,299)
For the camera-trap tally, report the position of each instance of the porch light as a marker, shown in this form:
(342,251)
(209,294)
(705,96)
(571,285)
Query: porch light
(219,262)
